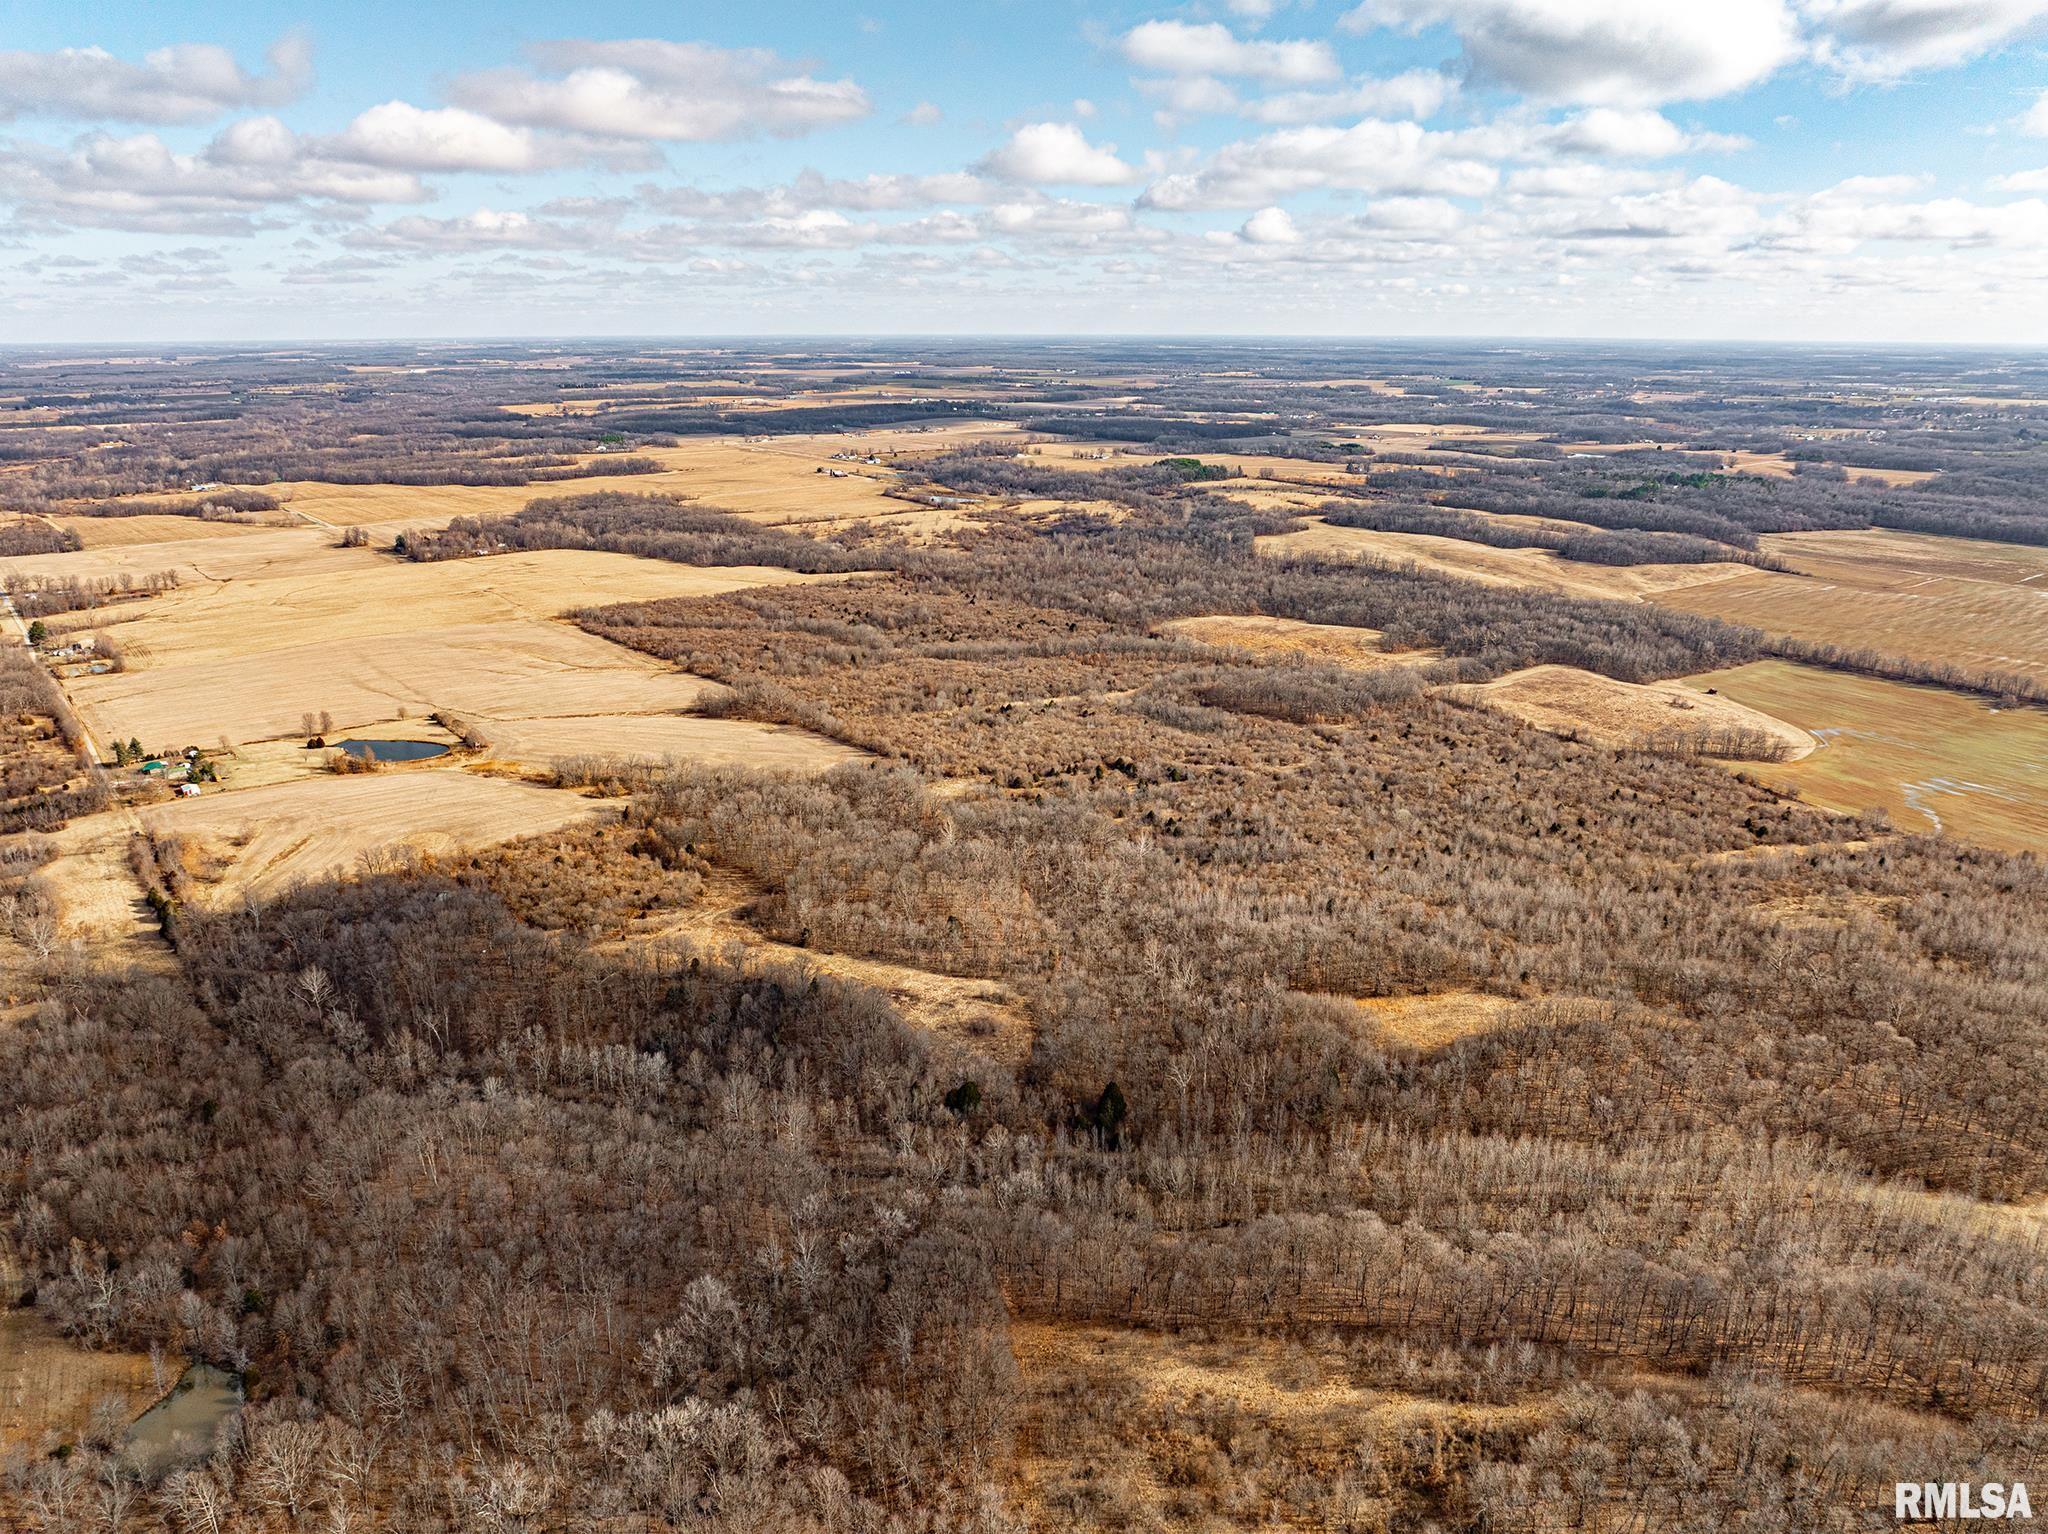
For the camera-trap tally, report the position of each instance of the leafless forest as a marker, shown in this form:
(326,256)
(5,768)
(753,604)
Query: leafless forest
(515,1203)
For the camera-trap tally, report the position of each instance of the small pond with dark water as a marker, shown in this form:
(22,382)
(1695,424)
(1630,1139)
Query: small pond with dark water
(181,1428)
(394,750)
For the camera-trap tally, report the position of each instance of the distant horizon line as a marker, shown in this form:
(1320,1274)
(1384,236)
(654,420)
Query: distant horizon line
(1157,338)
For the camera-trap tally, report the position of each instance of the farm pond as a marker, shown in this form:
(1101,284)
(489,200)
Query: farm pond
(394,750)
(181,1428)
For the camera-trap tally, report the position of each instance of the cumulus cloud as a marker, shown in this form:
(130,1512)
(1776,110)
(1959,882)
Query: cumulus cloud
(1270,226)
(1605,52)
(482,229)
(139,182)
(1210,48)
(185,83)
(650,89)
(1614,133)
(1370,156)
(1884,39)
(402,136)
(1056,154)
(1873,208)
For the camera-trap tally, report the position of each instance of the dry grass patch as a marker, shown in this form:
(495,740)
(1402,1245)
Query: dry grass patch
(984,1016)
(50,1387)
(100,905)
(1583,705)
(1147,1431)
(1430,1022)
(1341,643)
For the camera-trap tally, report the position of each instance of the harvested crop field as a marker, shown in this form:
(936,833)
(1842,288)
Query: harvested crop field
(534,742)
(1933,759)
(245,659)
(250,554)
(1583,705)
(517,668)
(1339,643)
(774,480)
(1532,569)
(126,532)
(1983,606)
(272,838)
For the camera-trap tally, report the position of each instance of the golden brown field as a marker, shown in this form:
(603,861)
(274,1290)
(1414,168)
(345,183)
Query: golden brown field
(50,1386)
(1534,569)
(1286,636)
(368,639)
(1584,705)
(1931,759)
(272,838)
(1981,605)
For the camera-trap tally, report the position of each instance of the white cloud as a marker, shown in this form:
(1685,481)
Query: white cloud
(483,229)
(1371,156)
(650,89)
(1884,39)
(405,137)
(2022,181)
(1057,154)
(1189,96)
(1414,93)
(878,193)
(139,182)
(924,115)
(1605,52)
(185,83)
(1865,209)
(1210,48)
(2034,121)
(1271,226)
(1616,133)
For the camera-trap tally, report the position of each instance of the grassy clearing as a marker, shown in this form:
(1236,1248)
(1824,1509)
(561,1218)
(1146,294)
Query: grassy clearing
(50,1386)
(1347,646)
(982,1016)
(272,838)
(1583,705)
(1934,760)
(1144,1430)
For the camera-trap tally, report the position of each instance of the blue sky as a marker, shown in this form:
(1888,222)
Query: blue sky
(1758,169)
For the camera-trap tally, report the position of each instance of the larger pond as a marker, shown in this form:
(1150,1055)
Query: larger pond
(184,1425)
(394,750)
